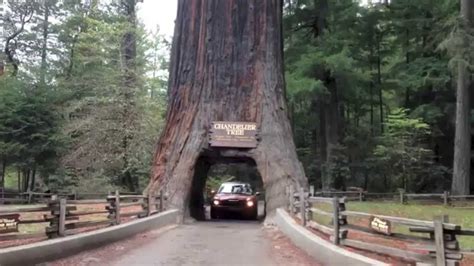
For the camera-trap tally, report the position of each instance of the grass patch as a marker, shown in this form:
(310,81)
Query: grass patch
(11,179)
(463,217)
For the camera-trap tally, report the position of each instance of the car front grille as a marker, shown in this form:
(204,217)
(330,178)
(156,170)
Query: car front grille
(233,203)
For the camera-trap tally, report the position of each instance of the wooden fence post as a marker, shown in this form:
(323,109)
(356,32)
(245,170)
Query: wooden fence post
(446,198)
(335,206)
(292,199)
(311,191)
(402,196)
(62,217)
(302,206)
(439,241)
(30,197)
(149,204)
(117,207)
(52,230)
(360,196)
(162,195)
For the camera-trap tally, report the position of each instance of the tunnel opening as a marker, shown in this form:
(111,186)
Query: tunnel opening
(211,173)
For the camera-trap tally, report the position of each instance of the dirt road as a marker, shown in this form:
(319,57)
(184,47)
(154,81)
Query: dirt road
(217,243)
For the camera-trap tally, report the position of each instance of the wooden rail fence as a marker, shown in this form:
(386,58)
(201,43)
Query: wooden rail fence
(29,197)
(401,196)
(61,216)
(436,241)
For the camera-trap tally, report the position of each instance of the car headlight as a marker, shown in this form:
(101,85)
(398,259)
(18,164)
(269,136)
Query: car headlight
(216,202)
(249,203)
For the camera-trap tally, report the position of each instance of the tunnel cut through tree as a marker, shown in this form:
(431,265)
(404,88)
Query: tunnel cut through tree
(226,65)
(210,166)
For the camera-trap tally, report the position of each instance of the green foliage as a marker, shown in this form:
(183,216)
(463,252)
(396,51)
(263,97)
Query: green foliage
(400,150)
(384,70)
(29,126)
(85,117)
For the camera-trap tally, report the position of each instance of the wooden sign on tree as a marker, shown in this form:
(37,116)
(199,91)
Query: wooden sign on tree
(233,134)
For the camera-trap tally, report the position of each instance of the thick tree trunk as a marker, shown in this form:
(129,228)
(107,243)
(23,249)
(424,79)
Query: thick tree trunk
(462,139)
(226,65)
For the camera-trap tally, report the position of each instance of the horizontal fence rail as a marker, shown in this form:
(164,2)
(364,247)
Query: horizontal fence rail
(401,196)
(29,197)
(435,241)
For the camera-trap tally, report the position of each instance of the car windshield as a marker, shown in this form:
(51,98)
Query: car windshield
(235,189)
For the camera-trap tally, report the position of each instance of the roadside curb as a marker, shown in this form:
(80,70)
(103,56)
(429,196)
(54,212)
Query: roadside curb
(323,251)
(49,250)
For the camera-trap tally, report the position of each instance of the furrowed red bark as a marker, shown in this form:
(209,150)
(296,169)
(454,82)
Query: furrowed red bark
(226,65)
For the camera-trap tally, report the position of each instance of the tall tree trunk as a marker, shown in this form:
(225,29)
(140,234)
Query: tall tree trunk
(226,65)
(33,179)
(44,47)
(379,83)
(3,169)
(322,10)
(129,54)
(462,139)
(332,128)
(323,144)
(18,172)
(371,91)
(407,61)
(26,179)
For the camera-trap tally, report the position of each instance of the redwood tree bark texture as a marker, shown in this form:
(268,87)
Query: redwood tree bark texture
(462,138)
(226,65)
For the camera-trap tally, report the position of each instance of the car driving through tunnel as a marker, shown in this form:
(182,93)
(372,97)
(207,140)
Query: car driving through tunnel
(235,198)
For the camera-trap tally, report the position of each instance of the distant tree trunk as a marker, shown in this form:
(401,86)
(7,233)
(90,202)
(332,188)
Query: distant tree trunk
(462,139)
(323,144)
(332,127)
(44,52)
(18,172)
(2,67)
(322,9)
(129,54)
(2,173)
(226,65)
(33,179)
(407,61)
(379,83)
(26,179)
(366,179)
(371,92)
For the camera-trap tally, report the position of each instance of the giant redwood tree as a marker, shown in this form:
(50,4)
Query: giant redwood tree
(226,65)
